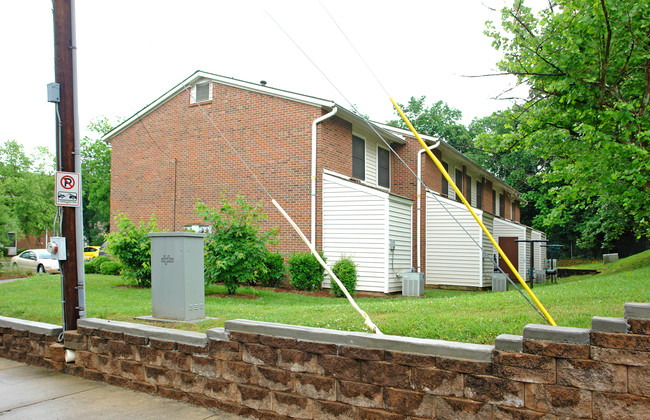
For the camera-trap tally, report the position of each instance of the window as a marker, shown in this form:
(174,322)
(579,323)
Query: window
(502,206)
(479,195)
(201,92)
(512,210)
(494,202)
(383,167)
(459,183)
(445,183)
(469,190)
(358,158)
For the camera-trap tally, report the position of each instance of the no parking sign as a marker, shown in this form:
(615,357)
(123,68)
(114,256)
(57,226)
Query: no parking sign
(67,189)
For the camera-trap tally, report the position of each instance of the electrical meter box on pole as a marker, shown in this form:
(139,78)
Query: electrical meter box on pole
(177,288)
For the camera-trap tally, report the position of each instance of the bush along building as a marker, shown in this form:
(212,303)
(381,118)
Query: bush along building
(328,167)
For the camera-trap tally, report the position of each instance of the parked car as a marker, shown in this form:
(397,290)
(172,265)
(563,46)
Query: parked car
(91,252)
(38,260)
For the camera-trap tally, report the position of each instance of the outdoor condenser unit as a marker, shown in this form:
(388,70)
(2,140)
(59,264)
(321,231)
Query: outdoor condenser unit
(412,284)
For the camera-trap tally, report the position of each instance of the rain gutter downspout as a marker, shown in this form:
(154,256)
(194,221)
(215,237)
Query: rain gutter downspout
(313,171)
(419,204)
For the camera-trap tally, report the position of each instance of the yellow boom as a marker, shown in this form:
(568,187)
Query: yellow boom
(469,207)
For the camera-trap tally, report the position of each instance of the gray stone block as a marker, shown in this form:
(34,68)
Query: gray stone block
(637,310)
(509,342)
(608,324)
(557,334)
(158,333)
(451,349)
(610,258)
(31,326)
(218,334)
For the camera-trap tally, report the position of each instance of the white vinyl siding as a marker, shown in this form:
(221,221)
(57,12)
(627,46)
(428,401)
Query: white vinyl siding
(505,228)
(357,223)
(400,222)
(452,257)
(371,162)
(488,249)
(540,249)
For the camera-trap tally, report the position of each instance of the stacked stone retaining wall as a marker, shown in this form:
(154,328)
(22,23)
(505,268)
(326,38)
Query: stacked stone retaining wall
(267,370)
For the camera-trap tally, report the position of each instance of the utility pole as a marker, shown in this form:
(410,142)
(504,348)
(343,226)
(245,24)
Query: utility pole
(68,155)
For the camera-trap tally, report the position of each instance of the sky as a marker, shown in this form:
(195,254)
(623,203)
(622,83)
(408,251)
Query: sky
(129,52)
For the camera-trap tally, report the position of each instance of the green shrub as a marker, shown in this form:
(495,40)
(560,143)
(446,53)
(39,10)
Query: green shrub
(4,251)
(235,248)
(346,270)
(275,270)
(306,273)
(89,267)
(110,268)
(131,246)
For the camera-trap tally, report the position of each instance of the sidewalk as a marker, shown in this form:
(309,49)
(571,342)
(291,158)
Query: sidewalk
(30,392)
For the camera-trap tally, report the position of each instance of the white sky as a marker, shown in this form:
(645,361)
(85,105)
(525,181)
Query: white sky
(132,51)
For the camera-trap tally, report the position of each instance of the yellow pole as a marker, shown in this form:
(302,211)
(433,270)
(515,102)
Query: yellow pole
(469,207)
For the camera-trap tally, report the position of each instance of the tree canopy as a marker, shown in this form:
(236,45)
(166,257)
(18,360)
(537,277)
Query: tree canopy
(587,66)
(26,190)
(96,175)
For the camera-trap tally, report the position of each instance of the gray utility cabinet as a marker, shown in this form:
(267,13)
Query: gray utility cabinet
(177,290)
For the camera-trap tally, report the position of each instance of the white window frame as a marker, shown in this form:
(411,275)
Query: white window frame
(389,168)
(193,92)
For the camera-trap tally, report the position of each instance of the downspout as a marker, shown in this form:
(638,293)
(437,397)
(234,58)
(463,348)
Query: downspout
(419,204)
(313,171)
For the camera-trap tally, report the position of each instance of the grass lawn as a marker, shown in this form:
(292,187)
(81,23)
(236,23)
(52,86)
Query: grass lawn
(476,317)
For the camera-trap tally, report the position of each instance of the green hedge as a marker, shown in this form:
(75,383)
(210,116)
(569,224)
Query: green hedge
(346,270)
(306,272)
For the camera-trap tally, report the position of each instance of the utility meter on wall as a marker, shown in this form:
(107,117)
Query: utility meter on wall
(56,247)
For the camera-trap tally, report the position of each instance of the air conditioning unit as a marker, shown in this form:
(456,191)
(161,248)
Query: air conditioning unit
(499,282)
(412,284)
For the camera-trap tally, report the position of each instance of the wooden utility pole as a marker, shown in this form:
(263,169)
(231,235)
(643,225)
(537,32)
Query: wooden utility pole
(64,76)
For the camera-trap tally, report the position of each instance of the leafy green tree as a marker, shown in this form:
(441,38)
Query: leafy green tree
(131,246)
(26,190)
(235,248)
(587,65)
(438,120)
(96,175)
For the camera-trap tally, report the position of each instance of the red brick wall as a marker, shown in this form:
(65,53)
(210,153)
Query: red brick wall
(272,135)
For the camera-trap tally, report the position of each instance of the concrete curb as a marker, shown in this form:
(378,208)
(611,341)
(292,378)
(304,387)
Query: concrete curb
(158,333)
(557,334)
(509,342)
(636,311)
(608,324)
(451,349)
(31,326)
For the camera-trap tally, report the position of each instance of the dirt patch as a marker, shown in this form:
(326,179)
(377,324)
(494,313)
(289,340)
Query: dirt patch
(235,296)
(12,276)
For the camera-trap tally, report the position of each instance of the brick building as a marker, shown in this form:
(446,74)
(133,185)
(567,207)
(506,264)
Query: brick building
(355,198)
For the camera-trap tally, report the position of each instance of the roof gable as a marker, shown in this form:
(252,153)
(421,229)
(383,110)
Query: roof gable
(200,76)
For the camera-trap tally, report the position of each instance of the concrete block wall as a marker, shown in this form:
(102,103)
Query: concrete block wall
(267,370)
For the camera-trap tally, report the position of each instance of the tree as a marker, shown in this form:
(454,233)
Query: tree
(27,190)
(235,248)
(96,175)
(587,65)
(438,120)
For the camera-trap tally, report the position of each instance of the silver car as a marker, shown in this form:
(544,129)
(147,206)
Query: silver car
(38,260)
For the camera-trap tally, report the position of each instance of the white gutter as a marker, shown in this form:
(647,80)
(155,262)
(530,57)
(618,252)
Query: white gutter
(313,171)
(419,204)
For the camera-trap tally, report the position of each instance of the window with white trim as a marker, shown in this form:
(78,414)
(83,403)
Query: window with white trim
(383,167)
(201,92)
(358,158)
